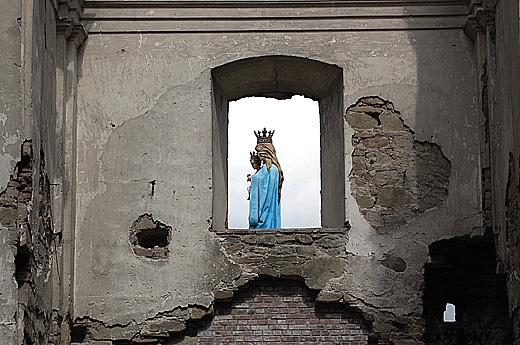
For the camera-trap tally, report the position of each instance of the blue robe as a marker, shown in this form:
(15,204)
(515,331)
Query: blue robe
(264,208)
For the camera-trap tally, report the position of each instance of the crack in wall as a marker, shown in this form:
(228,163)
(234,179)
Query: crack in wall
(164,326)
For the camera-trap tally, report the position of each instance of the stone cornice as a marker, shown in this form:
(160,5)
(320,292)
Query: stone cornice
(267,3)
(482,16)
(68,21)
(71,8)
(68,27)
(152,16)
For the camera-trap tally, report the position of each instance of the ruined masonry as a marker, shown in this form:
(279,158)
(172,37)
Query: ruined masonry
(114,148)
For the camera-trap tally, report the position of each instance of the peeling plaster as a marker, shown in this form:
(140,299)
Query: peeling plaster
(394,177)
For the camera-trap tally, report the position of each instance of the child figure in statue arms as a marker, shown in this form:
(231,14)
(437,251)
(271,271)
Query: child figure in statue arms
(266,184)
(256,163)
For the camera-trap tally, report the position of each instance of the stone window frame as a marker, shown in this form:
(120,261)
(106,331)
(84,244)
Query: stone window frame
(281,77)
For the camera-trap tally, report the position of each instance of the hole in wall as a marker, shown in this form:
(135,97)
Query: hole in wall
(23,265)
(150,238)
(78,334)
(297,141)
(462,271)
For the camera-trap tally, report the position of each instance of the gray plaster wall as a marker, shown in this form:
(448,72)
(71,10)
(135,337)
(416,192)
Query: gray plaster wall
(8,286)
(505,148)
(505,105)
(10,142)
(144,114)
(27,101)
(10,95)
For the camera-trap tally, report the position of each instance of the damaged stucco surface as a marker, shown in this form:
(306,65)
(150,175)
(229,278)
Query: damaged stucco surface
(145,115)
(9,294)
(86,171)
(394,177)
(10,142)
(314,255)
(505,149)
(513,222)
(30,245)
(180,165)
(10,90)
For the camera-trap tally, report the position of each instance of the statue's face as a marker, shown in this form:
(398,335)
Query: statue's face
(255,163)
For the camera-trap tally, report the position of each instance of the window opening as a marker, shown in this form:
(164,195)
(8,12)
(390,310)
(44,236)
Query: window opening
(297,141)
(449,313)
(281,77)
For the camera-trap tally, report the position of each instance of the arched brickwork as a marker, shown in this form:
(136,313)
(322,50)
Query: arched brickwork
(282,312)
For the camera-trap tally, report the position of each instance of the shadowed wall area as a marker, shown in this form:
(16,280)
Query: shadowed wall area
(462,272)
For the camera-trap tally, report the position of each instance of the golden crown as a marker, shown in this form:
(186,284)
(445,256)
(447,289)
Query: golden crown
(264,136)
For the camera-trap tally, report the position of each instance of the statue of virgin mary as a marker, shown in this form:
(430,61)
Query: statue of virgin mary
(266,185)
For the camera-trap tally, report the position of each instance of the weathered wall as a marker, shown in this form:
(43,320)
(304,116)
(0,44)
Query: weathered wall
(505,148)
(513,239)
(109,155)
(29,242)
(145,115)
(10,115)
(394,177)
(36,241)
(10,88)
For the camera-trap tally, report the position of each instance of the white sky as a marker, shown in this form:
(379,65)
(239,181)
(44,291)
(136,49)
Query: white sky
(297,143)
(449,313)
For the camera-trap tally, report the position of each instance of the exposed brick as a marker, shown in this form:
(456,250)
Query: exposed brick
(282,311)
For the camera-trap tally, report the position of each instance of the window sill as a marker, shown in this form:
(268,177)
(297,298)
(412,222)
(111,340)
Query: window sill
(287,231)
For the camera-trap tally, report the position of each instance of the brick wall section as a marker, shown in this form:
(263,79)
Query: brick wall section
(282,311)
